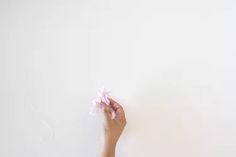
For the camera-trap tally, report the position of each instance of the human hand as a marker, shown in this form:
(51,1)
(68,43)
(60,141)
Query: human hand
(113,127)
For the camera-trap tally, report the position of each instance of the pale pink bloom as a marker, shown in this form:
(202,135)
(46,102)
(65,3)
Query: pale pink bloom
(102,98)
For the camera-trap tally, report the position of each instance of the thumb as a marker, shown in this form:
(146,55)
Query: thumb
(106,112)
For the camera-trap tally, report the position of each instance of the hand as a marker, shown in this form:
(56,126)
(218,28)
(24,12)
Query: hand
(113,128)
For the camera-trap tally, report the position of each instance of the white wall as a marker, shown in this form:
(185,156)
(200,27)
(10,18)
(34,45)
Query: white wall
(170,63)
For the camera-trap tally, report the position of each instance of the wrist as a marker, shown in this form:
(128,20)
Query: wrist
(109,141)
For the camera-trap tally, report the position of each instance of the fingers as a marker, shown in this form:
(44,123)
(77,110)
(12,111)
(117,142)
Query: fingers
(116,107)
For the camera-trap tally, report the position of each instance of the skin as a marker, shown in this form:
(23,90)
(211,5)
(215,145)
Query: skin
(112,128)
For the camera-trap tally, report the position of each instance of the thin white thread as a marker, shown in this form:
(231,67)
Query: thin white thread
(44,123)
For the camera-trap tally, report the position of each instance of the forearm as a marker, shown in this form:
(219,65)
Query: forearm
(108,149)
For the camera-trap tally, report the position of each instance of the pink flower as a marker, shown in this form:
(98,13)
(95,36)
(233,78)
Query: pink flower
(102,98)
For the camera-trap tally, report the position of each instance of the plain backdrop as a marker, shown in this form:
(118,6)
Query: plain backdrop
(171,63)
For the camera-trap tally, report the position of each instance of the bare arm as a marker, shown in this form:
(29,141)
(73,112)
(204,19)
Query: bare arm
(112,128)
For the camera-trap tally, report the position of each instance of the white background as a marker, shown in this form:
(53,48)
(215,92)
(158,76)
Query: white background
(170,63)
